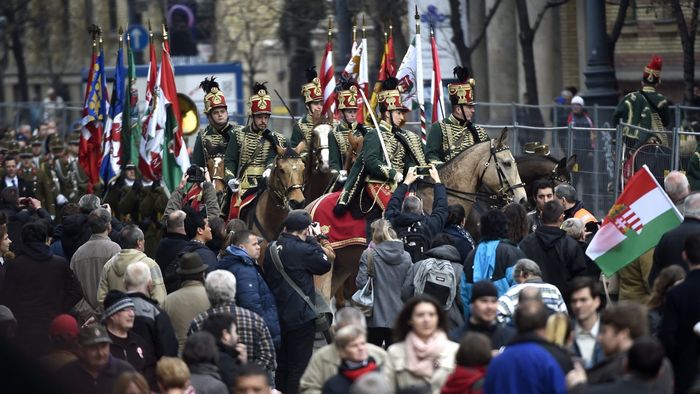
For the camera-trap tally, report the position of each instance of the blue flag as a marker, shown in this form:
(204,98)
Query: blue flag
(112,147)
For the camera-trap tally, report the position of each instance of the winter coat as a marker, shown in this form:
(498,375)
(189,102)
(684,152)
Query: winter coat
(183,306)
(87,263)
(137,352)
(400,377)
(448,253)
(168,249)
(208,257)
(324,364)
(205,379)
(668,250)
(229,364)
(347,374)
(465,380)
(252,292)
(77,379)
(391,263)
(301,260)
(433,223)
(75,232)
(153,324)
(559,256)
(38,287)
(498,333)
(112,277)
(463,241)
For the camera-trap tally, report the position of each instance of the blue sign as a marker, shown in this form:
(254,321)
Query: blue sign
(139,37)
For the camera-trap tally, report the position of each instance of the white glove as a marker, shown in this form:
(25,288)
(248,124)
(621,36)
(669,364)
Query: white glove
(342,176)
(398,178)
(61,199)
(234,184)
(266,173)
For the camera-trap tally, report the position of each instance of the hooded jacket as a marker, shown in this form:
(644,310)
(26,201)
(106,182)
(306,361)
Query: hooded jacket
(433,223)
(252,292)
(112,277)
(465,380)
(559,256)
(208,257)
(391,264)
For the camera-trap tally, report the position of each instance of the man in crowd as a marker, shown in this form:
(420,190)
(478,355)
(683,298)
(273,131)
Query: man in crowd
(90,258)
(150,322)
(586,300)
(119,317)
(573,208)
(252,331)
(558,255)
(190,299)
(199,233)
(96,371)
(11,178)
(170,246)
(677,187)
(526,274)
(112,277)
(542,192)
(484,308)
(681,314)
(232,354)
(251,379)
(325,361)
(669,250)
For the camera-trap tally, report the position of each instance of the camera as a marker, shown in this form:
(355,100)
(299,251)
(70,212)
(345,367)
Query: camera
(422,170)
(195,174)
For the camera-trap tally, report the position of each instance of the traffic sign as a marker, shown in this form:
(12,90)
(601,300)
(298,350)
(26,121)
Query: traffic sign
(139,37)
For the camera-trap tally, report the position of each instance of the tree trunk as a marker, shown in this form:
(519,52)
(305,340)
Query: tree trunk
(463,50)
(687,31)
(526,37)
(18,53)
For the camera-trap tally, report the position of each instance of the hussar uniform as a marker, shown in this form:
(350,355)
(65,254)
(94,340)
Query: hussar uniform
(38,182)
(338,143)
(450,137)
(303,128)
(371,172)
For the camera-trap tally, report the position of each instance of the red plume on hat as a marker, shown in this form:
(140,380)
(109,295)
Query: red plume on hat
(652,71)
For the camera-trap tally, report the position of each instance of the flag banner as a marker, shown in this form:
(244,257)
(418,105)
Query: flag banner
(95,112)
(635,224)
(386,69)
(436,84)
(357,69)
(131,129)
(111,146)
(410,76)
(363,81)
(146,155)
(328,80)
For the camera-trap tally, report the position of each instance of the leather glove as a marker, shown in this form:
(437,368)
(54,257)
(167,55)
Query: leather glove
(398,178)
(234,184)
(342,176)
(266,173)
(61,199)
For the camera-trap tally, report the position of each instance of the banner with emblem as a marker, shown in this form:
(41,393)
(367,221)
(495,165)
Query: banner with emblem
(635,224)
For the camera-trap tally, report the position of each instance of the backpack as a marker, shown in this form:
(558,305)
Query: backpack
(436,278)
(415,240)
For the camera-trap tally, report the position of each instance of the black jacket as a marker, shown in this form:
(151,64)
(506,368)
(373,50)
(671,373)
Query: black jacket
(75,231)
(38,287)
(669,249)
(137,352)
(559,256)
(301,260)
(23,187)
(78,380)
(228,364)
(154,325)
(169,247)
(499,334)
(433,223)
(208,257)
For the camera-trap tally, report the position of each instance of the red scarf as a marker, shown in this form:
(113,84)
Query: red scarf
(354,373)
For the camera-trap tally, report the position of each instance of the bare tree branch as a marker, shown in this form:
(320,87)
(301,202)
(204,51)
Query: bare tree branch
(487,21)
(619,22)
(540,16)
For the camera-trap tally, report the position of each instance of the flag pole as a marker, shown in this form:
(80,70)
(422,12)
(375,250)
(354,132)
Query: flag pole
(419,77)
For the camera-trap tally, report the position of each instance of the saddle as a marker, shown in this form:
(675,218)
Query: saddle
(241,204)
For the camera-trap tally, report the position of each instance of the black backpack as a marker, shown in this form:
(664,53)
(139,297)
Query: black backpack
(416,240)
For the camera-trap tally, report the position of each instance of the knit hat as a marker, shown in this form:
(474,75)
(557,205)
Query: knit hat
(64,325)
(483,288)
(297,220)
(92,335)
(116,301)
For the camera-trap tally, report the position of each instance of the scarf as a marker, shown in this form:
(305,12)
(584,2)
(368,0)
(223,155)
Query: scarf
(485,260)
(422,357)
(352,371)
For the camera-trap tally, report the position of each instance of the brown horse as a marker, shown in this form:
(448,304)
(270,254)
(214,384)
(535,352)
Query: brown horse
(284,192)
(488,163)
(319,179)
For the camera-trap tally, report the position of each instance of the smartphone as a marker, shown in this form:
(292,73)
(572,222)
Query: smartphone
(422,170)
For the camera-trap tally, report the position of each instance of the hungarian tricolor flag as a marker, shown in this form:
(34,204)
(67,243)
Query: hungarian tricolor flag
(149,147)
(357,69)
(131,131)
(635,224)
(410,76)
(436,83)
(111,145)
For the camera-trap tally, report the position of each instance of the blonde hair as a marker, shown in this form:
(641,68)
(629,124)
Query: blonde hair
(347,334)
(125,380)
(172,373)
(382,231)
(574,228)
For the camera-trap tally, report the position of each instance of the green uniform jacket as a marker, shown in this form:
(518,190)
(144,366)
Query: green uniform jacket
(693,171)
(371,165)
(338,145)
(40,184)
(215,143)
(243,150)
(302,132)
(636,110)
(449,138)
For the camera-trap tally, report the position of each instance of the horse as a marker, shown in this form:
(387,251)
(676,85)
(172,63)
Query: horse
(489,163)
(319,179)
(284,192)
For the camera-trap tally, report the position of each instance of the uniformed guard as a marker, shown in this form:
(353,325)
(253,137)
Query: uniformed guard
(371,172)
(37,144)
(313,100)
(117,190)
(71,177)
(210,146)
(250,154)
(456,133)
(73,145)
(347,95)
(37,180)
(12,149)
(52,168)
(645,108)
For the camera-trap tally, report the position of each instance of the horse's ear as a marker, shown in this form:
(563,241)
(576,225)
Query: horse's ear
(503,138)
(300,147)
(280,150)
(570,163)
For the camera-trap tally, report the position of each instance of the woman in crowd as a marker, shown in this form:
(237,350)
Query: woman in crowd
(131,383)
(456,219)
(517,222)
(390,262)
(668,277)
(202,357)
(472,358)
(173,376)
(423,356)
(351,342)
(575,229)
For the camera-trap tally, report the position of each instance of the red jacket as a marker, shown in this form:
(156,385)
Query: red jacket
(465,380)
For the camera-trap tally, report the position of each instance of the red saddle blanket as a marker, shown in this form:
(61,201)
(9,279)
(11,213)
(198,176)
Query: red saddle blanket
(341,230)
(235,208)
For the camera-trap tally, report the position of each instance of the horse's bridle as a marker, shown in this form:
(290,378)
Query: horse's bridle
(555,176)
(281,200)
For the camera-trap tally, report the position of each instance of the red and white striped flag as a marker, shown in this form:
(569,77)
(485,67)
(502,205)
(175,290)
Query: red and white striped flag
(436,83)
(328,80)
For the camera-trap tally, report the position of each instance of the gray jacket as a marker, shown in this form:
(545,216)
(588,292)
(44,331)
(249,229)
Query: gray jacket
(391,263)
(205,379)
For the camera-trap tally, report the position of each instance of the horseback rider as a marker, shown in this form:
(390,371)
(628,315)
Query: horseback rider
(210,145)
(456,133)
(250,154)
(371,175)
(313,100)
(645,108)
(338,143)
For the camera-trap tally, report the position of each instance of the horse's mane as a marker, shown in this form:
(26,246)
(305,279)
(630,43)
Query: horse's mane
(534,157)
(289,153)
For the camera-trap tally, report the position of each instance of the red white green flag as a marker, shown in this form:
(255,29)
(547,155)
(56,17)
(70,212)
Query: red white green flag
(635,224)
